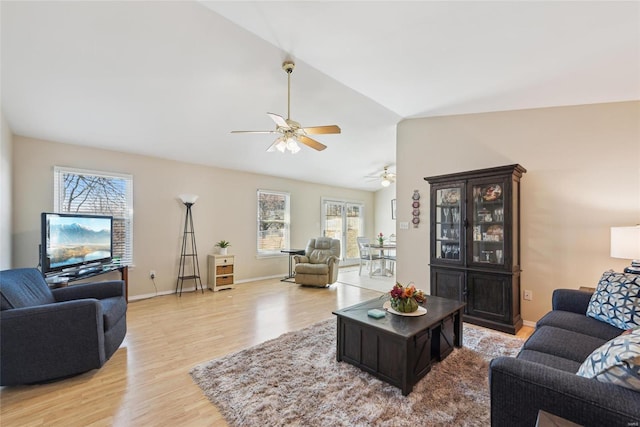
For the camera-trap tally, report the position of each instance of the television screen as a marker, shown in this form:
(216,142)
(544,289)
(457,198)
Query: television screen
(73,240)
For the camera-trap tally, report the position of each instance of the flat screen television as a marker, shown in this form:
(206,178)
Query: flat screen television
(72,241)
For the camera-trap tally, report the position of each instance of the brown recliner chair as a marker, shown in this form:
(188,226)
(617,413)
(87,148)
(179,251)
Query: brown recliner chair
(319,264)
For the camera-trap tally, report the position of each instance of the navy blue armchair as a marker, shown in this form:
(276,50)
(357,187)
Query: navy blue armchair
(50,334)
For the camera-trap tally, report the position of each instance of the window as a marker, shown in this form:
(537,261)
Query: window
(99,193)
(273,222)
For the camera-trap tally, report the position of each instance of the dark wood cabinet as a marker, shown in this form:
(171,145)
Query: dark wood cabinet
(475,243)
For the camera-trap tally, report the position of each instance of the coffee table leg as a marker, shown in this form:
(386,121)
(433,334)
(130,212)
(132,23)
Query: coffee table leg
(457,325)
(339,341)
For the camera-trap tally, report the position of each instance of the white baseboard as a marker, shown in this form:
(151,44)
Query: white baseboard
(193,288)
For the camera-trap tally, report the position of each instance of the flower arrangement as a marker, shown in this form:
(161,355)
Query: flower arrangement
(406,299)
(381,238)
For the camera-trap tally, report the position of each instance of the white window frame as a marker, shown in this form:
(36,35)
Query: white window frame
(286,221)
(59,196)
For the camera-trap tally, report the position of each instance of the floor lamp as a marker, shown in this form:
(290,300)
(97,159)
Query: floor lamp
(189,250)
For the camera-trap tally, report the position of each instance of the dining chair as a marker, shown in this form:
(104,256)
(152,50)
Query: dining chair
(390,255)
(367,255)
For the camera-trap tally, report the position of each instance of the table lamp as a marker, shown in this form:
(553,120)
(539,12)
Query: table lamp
(625,244)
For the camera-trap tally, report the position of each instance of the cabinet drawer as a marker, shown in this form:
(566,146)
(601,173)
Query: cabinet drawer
(224,269)
(224,280)
(224,261)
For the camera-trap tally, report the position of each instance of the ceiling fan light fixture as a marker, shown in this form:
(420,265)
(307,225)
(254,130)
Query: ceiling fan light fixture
(292,133)
(292,145)
(385,182)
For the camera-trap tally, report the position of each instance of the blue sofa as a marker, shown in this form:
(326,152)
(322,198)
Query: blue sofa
(543,375)
(50,334)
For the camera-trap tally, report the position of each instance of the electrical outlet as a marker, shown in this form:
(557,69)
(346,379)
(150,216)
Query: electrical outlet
(528,295)
(152,274)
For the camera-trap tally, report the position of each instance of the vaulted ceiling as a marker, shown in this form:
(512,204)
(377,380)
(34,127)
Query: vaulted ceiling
(172,79)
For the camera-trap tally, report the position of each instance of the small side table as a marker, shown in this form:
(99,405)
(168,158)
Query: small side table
(291,253)
(221,270)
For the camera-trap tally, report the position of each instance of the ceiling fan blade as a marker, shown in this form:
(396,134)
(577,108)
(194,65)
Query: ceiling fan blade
(272,147)
(280,121)
(254,131)
(311,143)
(317,130)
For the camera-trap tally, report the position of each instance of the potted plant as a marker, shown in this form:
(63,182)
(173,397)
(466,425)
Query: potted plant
(223,245)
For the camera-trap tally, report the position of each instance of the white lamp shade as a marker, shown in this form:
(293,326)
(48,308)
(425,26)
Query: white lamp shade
(625,242)
(385,182)
(188,198)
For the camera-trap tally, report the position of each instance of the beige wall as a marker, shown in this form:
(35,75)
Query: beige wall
(6,144)
(383,221)
(583,177)
(225,210)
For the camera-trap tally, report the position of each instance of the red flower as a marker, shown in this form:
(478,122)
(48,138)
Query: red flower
(400,292)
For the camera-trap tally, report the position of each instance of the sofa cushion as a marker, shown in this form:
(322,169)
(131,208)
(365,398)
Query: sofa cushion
(24,287)
(312,269)
(550,360)
(113,309)
(578,322)
(617,300)
(320,256)
(562,343)
(616,362)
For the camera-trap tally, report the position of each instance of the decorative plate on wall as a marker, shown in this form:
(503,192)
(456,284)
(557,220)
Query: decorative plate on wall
(416,212)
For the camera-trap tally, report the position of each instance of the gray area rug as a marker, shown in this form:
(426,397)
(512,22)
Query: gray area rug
(295,380)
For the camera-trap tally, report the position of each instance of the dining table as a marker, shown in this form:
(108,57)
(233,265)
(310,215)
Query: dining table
(384,248)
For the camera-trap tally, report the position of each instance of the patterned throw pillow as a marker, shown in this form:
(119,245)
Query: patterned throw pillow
(617,300)
(616,362)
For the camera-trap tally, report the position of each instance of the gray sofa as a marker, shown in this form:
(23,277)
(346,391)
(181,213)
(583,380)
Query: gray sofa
(49,334)
(543,375)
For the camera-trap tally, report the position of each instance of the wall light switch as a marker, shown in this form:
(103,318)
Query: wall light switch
(404,225)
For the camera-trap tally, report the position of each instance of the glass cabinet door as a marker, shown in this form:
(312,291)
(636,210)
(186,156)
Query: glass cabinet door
(448,230)
(488,223)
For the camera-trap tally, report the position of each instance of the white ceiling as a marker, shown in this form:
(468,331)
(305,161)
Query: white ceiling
(172,79)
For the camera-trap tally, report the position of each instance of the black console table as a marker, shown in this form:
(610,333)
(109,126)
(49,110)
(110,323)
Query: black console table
(63,279)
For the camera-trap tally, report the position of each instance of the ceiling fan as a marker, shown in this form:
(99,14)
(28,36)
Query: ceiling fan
(385,177)
(291,133)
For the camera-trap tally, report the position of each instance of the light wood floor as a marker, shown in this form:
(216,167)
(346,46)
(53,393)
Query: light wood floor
(147,382)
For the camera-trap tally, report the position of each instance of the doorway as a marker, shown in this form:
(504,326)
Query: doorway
(344,221)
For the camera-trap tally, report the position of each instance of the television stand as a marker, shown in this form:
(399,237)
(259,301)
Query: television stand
(64,278)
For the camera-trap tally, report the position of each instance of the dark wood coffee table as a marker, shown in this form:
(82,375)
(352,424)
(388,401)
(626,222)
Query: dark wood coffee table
(399,349)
